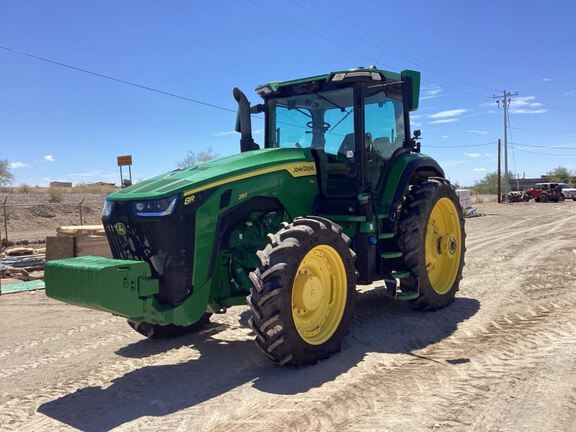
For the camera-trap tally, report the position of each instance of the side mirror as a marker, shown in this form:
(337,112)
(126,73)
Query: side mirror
(256,109)
(410,89)
(415,143)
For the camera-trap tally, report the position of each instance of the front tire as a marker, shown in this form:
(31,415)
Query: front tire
(432,239)
(303,292)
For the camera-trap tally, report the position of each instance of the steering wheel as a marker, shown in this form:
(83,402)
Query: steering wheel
(325,126)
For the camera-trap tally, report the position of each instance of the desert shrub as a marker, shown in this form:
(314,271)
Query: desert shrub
(24,188)
(56,194)
(92,188)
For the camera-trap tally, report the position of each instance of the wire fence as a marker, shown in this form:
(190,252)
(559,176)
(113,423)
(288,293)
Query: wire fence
(30,215)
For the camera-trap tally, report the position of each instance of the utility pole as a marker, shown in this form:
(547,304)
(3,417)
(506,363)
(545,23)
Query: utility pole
(499,175)
(505,99)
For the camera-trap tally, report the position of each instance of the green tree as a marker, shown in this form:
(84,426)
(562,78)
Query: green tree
(6,176)
(489,184)
(560,174)
(193,158)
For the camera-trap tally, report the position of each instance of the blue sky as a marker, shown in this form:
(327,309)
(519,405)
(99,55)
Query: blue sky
(60,124)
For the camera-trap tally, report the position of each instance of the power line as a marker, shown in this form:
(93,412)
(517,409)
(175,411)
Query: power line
(505,104)
(460,146)
(391,48)
(118,80)
(545,130)
(545,147)
(512,147)
(547,154)
(569,109)
(318,35)
(372,59)
(483,96)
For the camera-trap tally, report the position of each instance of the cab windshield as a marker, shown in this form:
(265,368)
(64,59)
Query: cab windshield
(322,121)
(318,120)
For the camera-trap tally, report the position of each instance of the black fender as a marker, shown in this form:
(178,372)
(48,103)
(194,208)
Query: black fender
(416,171)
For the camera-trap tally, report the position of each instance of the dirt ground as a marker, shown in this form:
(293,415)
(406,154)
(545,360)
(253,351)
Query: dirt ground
(502,357)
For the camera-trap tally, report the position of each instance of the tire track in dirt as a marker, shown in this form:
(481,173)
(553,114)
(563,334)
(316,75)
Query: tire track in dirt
(509,317)
(495,344)
(58,336)
(544,229)
(506,266)
(67,353)
(20,413)
(14,414)
(478,402)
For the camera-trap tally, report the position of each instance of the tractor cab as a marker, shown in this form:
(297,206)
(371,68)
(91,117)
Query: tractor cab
(354,123)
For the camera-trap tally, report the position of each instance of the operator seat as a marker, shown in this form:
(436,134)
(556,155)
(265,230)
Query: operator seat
(347,145)
(382,147)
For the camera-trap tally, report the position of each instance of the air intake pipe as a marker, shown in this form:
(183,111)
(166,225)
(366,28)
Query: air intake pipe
(244,122)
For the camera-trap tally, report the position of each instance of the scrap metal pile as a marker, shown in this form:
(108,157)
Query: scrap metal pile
(20,263)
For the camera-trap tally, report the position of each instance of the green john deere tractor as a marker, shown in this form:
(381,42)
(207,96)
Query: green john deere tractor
(338,194)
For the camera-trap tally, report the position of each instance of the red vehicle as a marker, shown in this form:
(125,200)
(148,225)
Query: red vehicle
(544,192)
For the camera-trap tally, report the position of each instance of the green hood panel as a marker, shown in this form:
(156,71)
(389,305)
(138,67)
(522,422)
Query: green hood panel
(207,172)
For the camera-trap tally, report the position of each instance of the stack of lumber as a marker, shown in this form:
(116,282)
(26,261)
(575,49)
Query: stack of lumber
(73,241)
(464,197)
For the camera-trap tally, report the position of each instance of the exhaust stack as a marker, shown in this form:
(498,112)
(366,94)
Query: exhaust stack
(244,121)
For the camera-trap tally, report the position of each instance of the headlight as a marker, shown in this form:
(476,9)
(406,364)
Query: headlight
(107,208)
(161,207)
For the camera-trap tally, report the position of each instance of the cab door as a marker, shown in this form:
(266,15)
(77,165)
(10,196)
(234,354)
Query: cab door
(384,130)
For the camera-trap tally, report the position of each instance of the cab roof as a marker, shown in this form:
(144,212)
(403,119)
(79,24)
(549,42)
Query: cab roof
(365,74)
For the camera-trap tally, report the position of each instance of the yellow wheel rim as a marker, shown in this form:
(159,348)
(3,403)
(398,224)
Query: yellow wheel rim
(443,248)
(319,294)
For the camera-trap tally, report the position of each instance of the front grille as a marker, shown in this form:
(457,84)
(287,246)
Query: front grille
(166,243)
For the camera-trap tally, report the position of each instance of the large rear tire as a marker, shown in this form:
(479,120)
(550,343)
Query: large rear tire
(432,239)
(303,292)
(170,331)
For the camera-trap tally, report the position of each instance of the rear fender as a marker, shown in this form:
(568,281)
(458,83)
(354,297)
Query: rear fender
(406,170)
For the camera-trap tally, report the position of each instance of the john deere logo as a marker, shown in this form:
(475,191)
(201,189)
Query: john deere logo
(304,168)
(120,228)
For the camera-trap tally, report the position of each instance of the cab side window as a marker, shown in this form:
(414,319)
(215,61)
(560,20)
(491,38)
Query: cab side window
(384,132)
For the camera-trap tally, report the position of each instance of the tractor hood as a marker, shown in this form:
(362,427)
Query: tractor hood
(216,172)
